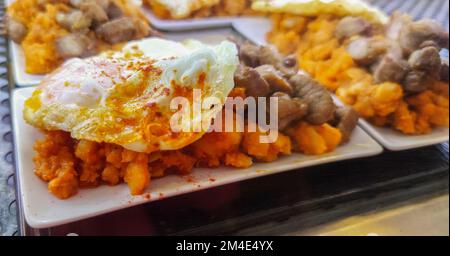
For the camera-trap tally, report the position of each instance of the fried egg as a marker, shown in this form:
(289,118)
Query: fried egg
(124,97)
(317,7)
(180,9)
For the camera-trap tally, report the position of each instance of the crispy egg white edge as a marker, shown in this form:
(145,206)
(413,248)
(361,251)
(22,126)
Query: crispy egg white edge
(317,7)
(218,62)
(180,9)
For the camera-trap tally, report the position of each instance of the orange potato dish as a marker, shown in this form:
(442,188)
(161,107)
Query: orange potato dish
(68,164)
(319,52)
(37,26)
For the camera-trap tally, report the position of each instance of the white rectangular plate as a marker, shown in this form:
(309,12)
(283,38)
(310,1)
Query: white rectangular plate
(397,141)
(254,29)
(42,210)
(21,78)
(243,24)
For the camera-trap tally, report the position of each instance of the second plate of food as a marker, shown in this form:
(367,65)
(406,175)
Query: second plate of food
(369,61)
(72,29)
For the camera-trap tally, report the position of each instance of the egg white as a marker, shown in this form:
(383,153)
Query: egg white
(317,7)
(180,9)
(74,97)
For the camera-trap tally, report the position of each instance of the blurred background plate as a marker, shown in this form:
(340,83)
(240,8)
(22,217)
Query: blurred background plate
(186,24)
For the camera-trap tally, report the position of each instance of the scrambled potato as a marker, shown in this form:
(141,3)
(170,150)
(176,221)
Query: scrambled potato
(265,152)
(55,163)
(39,45)
(315,140)
(67,164)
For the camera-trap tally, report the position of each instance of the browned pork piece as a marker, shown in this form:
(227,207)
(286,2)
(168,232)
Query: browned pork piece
(395,25)
(415,34)
(252,81)
(249,55)
(15,30)
(346,120)
(289,109)
(117,31)
(390,69)
(275,79)
(415,81)
(254,56)
(351,26)
(426,59)
(75,45)
(95,11)
(114,12)
(366,51)
(269,55)
(319,100)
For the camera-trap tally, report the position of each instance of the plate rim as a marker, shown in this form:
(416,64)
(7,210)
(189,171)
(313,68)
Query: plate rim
(392,146)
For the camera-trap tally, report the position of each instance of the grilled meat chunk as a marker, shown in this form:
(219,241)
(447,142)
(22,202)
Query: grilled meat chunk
(254,56)
(289,109)
(366,51)
(249,55)
(74,20)
(252,81)
(114,11)
(346,120)
(269,55)
(290,62)
(117,31)
(95,11)
(427,59)
(319,100)
(390,69)
(73,45)
(415,81)
(275,80)
(413,35)
(396,23)
(351,26)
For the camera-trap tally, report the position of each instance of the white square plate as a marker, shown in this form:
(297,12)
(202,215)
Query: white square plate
(397,141)
(42,210)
